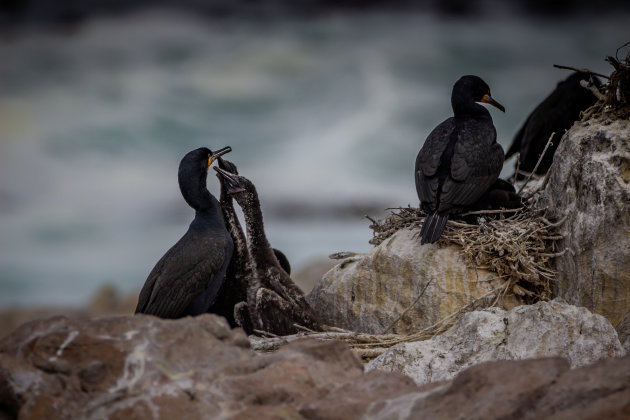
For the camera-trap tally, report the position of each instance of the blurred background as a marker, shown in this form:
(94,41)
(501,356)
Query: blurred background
(325,105)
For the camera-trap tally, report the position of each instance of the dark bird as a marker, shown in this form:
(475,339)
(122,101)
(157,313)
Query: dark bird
(274,301)
(555,114)
(186,280)
(460,159)
(241,269)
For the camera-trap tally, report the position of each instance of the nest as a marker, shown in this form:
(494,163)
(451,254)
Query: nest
(614,97)
(517,247)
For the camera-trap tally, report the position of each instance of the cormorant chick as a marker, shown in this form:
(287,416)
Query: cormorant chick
(274,302)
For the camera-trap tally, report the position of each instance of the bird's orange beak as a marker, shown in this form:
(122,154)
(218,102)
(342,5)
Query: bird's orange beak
(487,99)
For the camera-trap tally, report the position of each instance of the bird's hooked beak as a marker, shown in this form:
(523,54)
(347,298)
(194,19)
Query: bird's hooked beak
(232,181)
(487,99)
(218,153)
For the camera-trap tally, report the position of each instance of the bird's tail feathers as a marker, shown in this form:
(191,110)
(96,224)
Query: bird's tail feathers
(432,228)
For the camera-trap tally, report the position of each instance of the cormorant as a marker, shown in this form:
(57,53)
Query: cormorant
(275,303)
(185,281)
(460,158)
(556,113)
(241,270)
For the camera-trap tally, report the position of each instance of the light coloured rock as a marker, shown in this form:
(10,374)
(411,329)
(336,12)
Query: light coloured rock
(546,329)
(589,184)
(367,293)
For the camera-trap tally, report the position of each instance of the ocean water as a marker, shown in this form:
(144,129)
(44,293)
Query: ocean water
(325,116)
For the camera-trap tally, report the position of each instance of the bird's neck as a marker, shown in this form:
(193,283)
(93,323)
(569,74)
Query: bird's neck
(466,107)
(234,227)
(196,193)
(258,245)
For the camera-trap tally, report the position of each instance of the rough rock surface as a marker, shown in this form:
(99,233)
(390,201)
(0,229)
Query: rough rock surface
(366,293)
(144,367)
(139,367)
(623,331)
(546,329)
(523,390)
(589,183)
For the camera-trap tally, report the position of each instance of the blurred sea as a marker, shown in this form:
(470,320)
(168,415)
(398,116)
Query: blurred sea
(324,115)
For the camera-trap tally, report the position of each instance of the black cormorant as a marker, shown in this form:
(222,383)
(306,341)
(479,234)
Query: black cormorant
(241,269)
(556,113)
(185,281)
(460,159)
(275,303)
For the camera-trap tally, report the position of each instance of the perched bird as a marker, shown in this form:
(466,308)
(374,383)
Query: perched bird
(555,114)
(274,301)
(460,158)
(186,280)
(241,269)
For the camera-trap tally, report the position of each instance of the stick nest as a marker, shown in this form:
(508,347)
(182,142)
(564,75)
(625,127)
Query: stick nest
(518,247)
(614,97)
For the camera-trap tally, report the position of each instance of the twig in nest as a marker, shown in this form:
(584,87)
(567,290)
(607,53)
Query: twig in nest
(408,308)
(540,158)
(586,85)
(580,70)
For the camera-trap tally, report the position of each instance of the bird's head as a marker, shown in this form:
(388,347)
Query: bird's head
(236,185)
(475,88)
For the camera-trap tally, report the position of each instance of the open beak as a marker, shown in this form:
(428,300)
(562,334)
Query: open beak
(231,181)
(487,99)
(218,153)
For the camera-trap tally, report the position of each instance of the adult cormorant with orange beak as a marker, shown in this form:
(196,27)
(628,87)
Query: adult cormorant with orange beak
(460,159)
(186,280)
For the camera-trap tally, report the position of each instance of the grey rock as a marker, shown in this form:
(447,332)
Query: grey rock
(546,329)
(589,184)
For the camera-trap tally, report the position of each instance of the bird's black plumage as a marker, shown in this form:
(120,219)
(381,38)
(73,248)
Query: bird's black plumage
(460,158)
(556,113)
(274,302)
(186,280)
(241,269)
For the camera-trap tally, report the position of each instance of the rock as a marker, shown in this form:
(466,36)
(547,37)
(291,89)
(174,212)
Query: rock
(106,301)
(525,389)
(546,329)
(367,293)
(137,367)
(623,331)
(589,184)
(143,367)
(310,273)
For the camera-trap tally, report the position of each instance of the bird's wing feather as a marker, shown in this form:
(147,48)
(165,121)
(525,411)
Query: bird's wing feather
(172,286)
(429,159)
(475,166)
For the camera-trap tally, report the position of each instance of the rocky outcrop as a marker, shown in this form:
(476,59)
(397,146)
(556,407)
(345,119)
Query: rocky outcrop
(589,184)
(523,390)
(546,329)
(367,293)
(138,367)
(623,331)
(144,367)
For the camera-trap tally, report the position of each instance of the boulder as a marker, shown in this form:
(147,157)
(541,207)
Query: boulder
(589,184)
(546,329)
(138,367)
(368,292)
(623,331)
(523,390)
